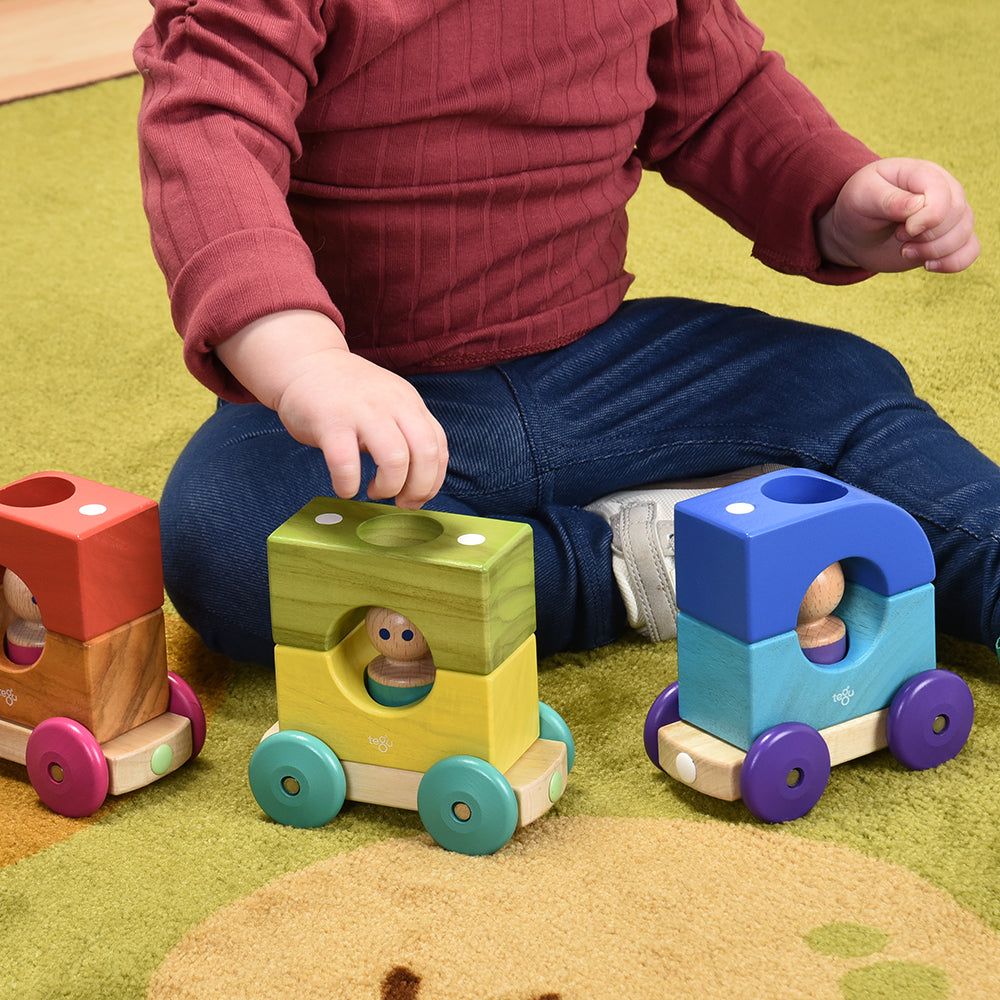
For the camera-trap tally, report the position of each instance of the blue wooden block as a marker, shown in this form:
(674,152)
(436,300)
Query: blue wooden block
(747,553)
(737,690)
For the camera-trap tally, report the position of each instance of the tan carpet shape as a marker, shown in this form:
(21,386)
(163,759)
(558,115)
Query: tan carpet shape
(595,909)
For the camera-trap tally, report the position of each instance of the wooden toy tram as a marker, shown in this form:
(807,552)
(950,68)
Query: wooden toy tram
(805,638)
(86,700)
(406,674)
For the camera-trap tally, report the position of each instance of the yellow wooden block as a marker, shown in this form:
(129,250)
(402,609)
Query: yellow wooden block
(492,716)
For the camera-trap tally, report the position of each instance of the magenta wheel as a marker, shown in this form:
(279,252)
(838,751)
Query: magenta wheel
(183,701)
(661,713)
(67,767)
(785,772)
(930,719)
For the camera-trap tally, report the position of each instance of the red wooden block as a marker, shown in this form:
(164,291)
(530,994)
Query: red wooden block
(90,554)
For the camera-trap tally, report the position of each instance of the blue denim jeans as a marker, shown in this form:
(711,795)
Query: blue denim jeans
(666,389)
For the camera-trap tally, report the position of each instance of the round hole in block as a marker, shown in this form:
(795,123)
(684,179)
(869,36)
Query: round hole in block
(803,490)
(397,531)
(42,491)
(795,777)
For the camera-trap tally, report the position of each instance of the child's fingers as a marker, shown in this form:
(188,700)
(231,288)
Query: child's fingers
(938,214)
(943,199)
(390,452)
(343,461)
(410,454)
(952,242)
(957,260)
(428,464)
(896,214)
(957,225)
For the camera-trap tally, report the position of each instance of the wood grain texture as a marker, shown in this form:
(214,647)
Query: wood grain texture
(111,684)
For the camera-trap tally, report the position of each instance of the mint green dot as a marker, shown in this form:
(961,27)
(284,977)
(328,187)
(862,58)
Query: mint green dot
(555,786)
(161,760)
(846,940)
(892,980)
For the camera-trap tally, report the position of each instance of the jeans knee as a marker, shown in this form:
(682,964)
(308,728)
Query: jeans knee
(215,559)
(862,365)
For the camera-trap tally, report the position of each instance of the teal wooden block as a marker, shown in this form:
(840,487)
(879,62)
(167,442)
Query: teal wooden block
(737,690)
(466,582)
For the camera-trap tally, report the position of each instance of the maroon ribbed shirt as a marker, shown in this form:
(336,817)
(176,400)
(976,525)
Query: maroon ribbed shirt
(448,179)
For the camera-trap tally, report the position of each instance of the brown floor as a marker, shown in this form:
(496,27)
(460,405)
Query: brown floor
(48,45)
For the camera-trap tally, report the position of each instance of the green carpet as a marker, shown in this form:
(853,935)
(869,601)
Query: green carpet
(634,886)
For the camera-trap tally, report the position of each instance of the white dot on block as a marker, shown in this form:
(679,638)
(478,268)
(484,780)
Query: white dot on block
(740,508)
(93,509)
(472,538)
(686,769)
(330,518)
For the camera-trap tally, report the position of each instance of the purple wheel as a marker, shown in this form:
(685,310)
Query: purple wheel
(930,719)
(661,713)
(183,701)
(785,772)
(67,767)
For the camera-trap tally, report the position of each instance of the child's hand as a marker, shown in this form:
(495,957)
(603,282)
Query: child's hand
(298,364)
(897,214)
(343,405)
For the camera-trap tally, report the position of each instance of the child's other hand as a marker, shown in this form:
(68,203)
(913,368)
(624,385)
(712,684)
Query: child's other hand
(897,214)
(298,364)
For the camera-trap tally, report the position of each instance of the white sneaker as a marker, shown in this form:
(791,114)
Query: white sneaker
(642,546)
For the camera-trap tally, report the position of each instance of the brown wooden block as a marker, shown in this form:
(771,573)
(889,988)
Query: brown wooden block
(110,684)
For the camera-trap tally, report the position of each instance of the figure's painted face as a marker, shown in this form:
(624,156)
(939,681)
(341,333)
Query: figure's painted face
(394,635)
(584,907)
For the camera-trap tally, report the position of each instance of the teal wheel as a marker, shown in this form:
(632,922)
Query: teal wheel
(297,779)
(467,805)
(552,726)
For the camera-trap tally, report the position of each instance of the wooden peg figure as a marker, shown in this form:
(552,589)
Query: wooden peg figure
(403,672)
(822,635)
(25,636)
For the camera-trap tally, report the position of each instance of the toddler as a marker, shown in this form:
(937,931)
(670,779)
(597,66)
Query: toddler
(394,235)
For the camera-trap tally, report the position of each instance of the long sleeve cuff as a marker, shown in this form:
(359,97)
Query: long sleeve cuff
(234,281)
(811,177)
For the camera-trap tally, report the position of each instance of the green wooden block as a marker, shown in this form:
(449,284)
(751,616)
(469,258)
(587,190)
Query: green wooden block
(466,582)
